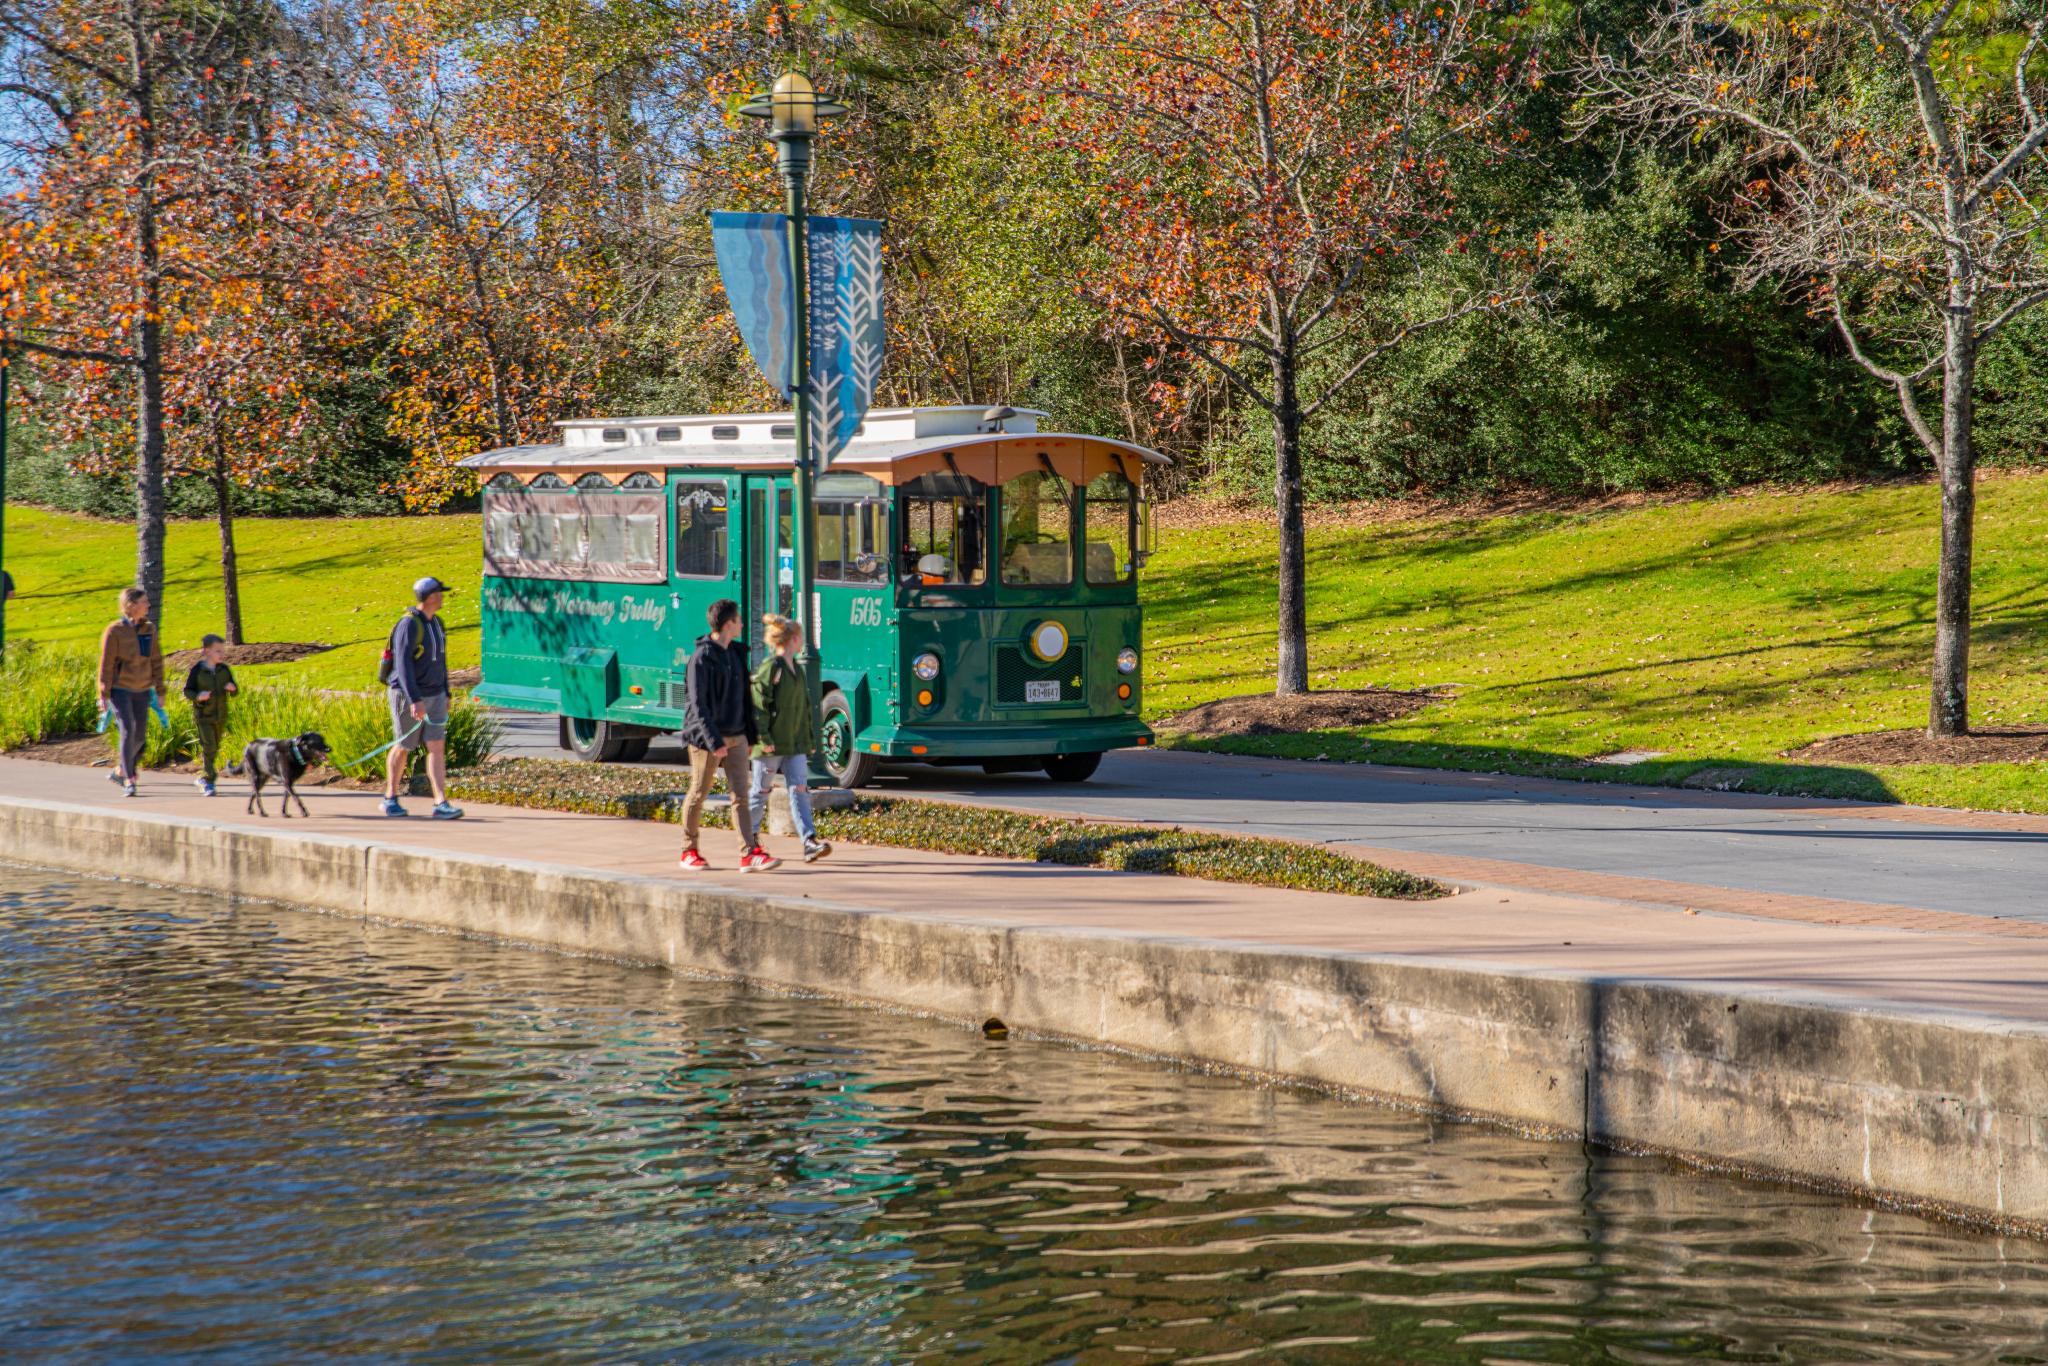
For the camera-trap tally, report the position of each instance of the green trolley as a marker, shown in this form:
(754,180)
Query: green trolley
(976,597)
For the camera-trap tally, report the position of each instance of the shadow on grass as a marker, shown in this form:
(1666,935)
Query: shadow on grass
(1133,851)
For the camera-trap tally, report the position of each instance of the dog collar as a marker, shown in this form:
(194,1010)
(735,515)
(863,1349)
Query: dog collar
(296,754)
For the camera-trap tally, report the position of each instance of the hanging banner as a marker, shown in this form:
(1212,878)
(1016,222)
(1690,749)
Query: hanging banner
(753,260)
(847,340)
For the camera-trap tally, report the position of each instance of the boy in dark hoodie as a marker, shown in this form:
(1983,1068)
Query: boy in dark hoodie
(208,687)
(718,727)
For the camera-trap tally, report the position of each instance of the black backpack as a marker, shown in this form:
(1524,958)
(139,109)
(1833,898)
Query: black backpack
(384,670)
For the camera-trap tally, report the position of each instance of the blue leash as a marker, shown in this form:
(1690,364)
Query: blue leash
(365,758)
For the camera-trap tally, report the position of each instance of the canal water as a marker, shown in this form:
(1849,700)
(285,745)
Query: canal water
(243,1133)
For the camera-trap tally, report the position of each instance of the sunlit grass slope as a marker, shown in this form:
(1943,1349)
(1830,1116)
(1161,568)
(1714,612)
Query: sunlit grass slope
(339,582)
(1723,631)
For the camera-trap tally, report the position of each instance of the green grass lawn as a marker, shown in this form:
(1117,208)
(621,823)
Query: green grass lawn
(1723,631)
(339,582)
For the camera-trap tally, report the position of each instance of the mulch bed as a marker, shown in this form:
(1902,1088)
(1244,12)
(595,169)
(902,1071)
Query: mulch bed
(257,652)
(1994,745)
(1267,714)
(85,750)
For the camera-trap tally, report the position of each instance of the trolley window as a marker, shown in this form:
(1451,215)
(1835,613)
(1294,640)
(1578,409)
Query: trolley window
(1109,525)
(945,532)
(853,530)
(701,529)
(1038,512)
(574,534)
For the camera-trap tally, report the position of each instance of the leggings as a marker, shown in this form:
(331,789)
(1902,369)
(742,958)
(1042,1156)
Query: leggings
(131,718)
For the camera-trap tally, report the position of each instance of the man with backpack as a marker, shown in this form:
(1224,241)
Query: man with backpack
(415,669)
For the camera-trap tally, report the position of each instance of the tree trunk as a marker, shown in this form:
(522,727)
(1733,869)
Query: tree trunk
(1292,675)
(1949,708)
(230,581)
(149,355)
(150,514)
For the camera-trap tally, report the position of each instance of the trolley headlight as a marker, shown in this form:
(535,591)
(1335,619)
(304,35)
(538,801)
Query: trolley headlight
(1049,641)
(1127,660)
(925,666)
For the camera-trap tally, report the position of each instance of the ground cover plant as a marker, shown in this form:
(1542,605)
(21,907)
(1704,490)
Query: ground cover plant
(949,828)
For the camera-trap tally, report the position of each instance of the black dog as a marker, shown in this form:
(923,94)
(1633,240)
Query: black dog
(281,761)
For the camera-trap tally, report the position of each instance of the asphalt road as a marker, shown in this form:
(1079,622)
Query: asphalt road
(1799,849)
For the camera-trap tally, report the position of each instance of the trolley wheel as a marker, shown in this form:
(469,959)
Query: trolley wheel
(1071,768)
(848,766)
(595,742)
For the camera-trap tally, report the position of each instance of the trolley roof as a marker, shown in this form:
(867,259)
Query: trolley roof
(894,445)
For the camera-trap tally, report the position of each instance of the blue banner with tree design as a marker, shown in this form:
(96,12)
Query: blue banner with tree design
(846,330)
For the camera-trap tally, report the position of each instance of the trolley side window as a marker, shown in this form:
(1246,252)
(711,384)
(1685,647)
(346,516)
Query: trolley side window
(945,535)
(1109,522)
(853,530)
(573,534)
(701,529)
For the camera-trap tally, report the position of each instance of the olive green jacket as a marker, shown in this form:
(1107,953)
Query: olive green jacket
(211,679)
(782,706)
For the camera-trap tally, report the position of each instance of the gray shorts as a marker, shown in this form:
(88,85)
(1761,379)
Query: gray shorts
(435,727)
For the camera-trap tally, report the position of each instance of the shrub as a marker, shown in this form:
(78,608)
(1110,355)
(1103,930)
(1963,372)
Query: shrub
(45,693)
(352,723)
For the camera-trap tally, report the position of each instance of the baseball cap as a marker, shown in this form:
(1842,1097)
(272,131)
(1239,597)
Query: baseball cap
(427,587)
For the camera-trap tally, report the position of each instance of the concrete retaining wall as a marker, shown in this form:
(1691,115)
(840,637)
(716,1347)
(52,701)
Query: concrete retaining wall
(1944,1113)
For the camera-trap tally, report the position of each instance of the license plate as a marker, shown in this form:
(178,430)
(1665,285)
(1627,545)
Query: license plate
(1042,692)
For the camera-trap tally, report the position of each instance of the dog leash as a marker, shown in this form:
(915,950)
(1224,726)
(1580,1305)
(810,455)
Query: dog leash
(365,758)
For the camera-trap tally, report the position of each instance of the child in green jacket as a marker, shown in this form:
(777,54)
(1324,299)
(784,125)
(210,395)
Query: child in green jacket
(208,688)
(789,732)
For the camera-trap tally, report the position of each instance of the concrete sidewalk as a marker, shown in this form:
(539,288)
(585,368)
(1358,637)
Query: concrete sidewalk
(1952,970)
(1908,1063)
(1798,858)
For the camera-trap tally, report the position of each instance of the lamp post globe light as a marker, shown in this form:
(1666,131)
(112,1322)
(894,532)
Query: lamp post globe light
(793,110)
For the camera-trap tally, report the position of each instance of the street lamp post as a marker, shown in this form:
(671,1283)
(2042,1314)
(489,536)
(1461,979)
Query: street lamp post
(793,110)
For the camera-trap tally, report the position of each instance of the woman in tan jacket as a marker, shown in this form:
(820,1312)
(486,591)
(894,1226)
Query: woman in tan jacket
(131,667)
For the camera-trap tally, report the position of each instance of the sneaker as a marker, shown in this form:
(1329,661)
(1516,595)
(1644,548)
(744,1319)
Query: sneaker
(392,808)
(443,811)
(206,789)
(128,789)
(693,862)
(115,778)
(759,860)
(815,850)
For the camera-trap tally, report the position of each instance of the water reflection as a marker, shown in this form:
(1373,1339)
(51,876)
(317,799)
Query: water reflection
(246,1133)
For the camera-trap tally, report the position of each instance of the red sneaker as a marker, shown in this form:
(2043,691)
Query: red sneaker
(693,862)
(759,860)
